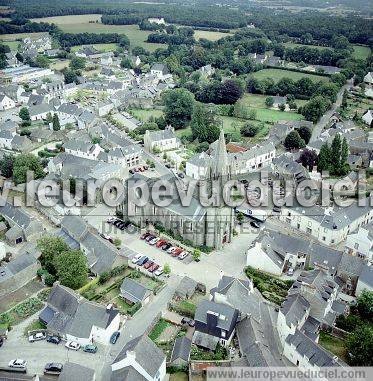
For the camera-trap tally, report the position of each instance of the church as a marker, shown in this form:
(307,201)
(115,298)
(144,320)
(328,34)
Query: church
(210,226)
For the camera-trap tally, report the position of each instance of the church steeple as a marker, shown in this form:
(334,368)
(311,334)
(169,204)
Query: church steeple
(220,162)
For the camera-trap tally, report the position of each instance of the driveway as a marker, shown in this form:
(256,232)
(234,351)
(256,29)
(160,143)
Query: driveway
(39,353)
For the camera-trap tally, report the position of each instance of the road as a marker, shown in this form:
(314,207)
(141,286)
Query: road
(138,325)
(322,123)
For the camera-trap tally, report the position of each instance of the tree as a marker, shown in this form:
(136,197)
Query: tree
(360,346)
(51,247)
(344,103)
(305,133)
(204,124)
(324,159)
(294,141)
(42,61)
(179,105)
(24,163)
(56,123)
(6,165)
(249,130)
(49,280)
(70,76)
(167,269)
(308,158)
(229,92)
(77,63)
(126,63)
(72,270)
(282,107)
(344,168)
(269,101)
(24,114)
(124,41)
(315,108)
(365,304)
(197,255)
(336,154)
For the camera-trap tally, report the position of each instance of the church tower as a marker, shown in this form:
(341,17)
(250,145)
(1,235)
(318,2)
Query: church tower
(220,167)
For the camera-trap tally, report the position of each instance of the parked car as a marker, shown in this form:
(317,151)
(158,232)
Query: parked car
(254,224)
(107,237)
(141,169)
(53,368)
(183,255)
(290,271)
(72,345)
(110,220)
(114,337)
(117,223)
(90,348)
(1,341)
(148,264)
(121,226)
(181,175)
(37,337)
(142,260)
(131,171)
(191,323)
(160,243)
(149,237)
(166,246)
(159,271)
(171,249)
(136,258)
(54,339)
(145,235)
(17,363)
(177,251)
(153,268)
(154,241)
(146,167)
(168,165)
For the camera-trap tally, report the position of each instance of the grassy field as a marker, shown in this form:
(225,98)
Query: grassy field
(277,74)
(81,24)
(334,345)
(361,52)
(11,39)
(210,35)
(179,376)
(59,64)
(101,47)
(144,115)
(294,45)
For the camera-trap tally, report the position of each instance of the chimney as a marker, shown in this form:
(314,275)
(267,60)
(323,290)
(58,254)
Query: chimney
(221,274)
(131,355)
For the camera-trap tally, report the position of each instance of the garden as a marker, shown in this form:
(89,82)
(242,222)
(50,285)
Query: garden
(272,288)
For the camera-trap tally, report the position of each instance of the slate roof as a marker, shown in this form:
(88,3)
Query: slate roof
(18,264)
(294,308)
(227,313)
(148,356)
(186,287)
(366,276)
(76,372)
(181,349)
(133,291)
(39,109)
(73,314)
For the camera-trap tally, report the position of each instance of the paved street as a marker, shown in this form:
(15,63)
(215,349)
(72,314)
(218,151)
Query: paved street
(39,353)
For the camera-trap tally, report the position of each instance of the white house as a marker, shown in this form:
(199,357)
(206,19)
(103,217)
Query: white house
(82,149)
(368,79)
(6,138)
(157,20)
(163,140)
(198,166)
(360,244)
(75,318)
(159,70)
(104,108)
(368,117)
(140,359)
(6,103)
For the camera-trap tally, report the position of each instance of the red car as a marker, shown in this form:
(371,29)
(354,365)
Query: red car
(153,268)
(176,252)
(145,235)
(141,169)
(148,264)
(160,243)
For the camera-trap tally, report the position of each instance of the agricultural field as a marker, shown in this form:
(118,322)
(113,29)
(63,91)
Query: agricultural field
(59,64)
(361,52)
(81,24)
(277,74)
(210,35)
(100,47)
(294,45)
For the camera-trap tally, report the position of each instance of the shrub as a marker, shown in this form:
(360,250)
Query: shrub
(49,280)
(104,277)
(133,309)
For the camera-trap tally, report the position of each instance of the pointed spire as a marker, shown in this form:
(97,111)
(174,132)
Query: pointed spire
(220,165)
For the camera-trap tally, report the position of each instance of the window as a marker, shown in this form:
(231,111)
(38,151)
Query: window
(356,246)
(223,334)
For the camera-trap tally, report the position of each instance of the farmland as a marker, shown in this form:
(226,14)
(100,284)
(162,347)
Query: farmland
(100,47)
(91,23)
(294,45)
(210,35)
(277,74)
(361,52)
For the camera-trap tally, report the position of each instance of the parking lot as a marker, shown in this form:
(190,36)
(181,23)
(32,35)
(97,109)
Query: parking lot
(39,353)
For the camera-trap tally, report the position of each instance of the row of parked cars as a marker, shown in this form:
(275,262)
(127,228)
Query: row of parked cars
(50,368)
(166,246)
(138,169)
(148,264)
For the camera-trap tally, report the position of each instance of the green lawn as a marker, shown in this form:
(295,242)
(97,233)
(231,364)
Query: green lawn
(81,24)
(179,376)
(34,326)
(361,52)
(13,45)
(210,35)
(277,74)
(334,345)
(294,45)
(158,329)
(144,115)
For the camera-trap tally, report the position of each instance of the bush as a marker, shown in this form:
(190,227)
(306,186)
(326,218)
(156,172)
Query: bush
(133,309)
(49,280)
(104,277)
(249,130)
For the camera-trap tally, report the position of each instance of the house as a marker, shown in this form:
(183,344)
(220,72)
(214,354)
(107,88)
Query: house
(104,108)
(6,103)
(17,273)
(279,101)
(157,20)
(21,143)
(186,288)
(101,255)
(360,243)
(181,351)
(159,70)
(23,225)
(6,138)
(198,166)
(72,317)
(365,281)
(133,292)
(368,79)
(139,359)
(368,117)
(82,149)
(162,140)
(23,73)
(214,323)
(39,111)
(207,70)
(76,372)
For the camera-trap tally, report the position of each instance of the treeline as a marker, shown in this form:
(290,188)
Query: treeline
(177,37)
(67,40)
(3,50)
(27,27)
(304,88)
